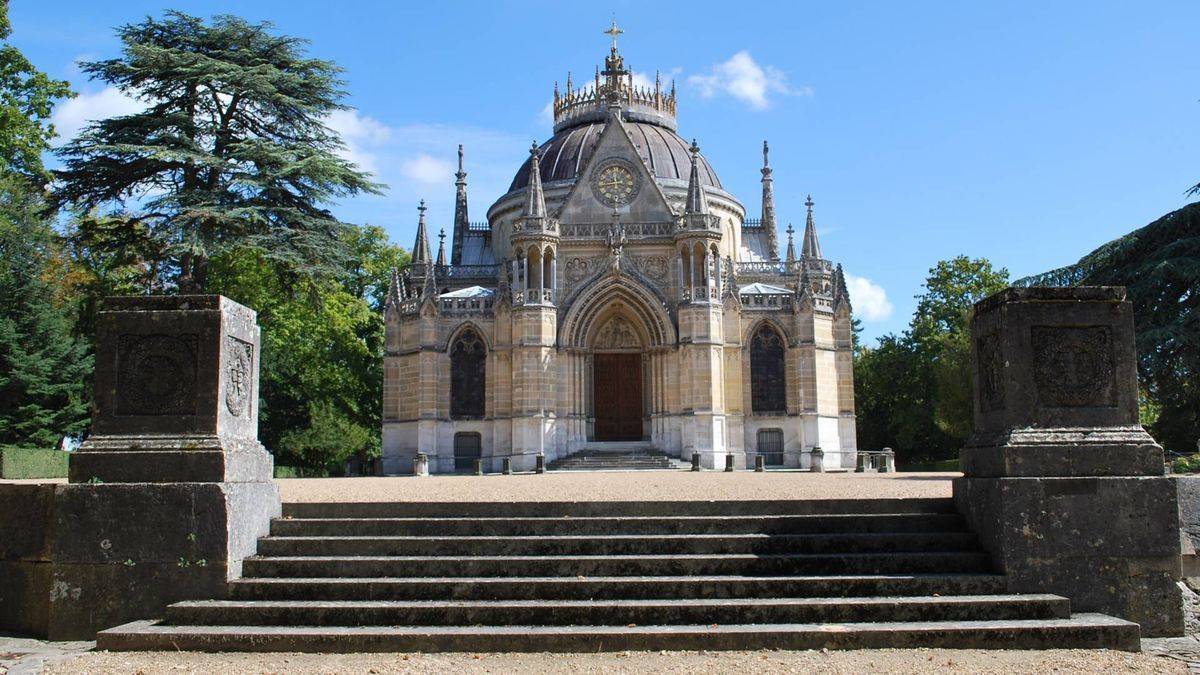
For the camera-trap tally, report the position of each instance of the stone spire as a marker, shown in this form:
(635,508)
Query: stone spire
(696,204)
(811,248)
(421,252)
(461,224)
(841,294)
(791,249)
(535,199)
(441,259)
(395,291)
(768,206)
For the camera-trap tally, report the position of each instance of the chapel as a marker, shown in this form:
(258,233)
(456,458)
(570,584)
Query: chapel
(617,296)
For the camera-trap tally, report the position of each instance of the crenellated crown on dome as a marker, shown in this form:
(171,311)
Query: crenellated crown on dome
(614,86)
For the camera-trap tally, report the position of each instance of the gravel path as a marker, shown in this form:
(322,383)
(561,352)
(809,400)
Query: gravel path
(850,662)
(620,486)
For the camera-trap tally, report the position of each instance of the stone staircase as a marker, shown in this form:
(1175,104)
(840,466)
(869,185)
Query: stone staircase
(616,456)
(606,576)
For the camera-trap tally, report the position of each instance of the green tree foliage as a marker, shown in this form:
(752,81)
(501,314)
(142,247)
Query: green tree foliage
(27,97)
(322,376)
(43,367)
(1160,265)
(230,153)
(913,391)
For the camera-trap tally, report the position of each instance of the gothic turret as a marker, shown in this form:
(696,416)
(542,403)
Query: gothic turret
(791,249)
(768,206)
(460,211)
(420,252)
(811,248)
(441,257)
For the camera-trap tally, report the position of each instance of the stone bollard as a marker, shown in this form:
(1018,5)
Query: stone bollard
(541,464)
(729,462)
(817,464)
(421,465)
(695,461)
(506,466)
(860,465)
(1060,481)
(759,464)
(479,467)
(887,461)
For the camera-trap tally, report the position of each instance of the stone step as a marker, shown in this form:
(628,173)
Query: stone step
(1082,631)
(619,587)
(615,565)
(775,507)
(614,612)
(532,526)
(888,542)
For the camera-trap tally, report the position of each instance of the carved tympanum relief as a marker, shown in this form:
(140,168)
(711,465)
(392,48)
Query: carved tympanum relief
(617,334)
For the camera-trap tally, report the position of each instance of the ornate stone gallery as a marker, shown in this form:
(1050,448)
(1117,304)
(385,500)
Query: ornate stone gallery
(617,293)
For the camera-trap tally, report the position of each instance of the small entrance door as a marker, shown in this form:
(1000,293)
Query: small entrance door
(468,447)
(617,395)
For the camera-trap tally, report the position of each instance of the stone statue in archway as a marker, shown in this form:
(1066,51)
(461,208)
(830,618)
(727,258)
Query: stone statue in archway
(617,334)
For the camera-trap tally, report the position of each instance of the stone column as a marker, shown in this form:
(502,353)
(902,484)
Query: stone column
(172,489)
(1064,487)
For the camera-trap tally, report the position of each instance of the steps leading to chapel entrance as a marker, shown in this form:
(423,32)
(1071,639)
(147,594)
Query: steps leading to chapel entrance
(617,456)
(589,576)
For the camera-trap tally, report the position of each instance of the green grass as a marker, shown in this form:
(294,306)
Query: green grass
(18,463)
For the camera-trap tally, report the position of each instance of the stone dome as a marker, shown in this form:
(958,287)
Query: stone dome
(568,152)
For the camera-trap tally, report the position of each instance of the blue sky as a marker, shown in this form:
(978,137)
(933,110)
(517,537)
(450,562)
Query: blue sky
(1025,132)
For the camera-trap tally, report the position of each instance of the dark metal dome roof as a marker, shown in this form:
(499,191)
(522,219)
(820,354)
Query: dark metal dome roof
(568,152)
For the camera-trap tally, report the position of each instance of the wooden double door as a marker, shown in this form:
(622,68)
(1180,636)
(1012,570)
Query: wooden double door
(617,396)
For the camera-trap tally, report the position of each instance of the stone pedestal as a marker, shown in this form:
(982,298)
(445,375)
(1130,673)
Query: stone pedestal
(1064,487)
(172,490)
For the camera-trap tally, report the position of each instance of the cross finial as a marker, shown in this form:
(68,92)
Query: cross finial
(809,203)
(421,207)
(613,32)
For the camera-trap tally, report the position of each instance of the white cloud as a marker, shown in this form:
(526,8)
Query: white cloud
(869,299)
(73,115)
(428,170)
(361,135)
(744,79)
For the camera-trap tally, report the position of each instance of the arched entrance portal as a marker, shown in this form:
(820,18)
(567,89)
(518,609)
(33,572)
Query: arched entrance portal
(616,340)
(617,383)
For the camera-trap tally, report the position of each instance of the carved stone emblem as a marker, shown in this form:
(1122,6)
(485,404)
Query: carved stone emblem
(156,374)
(239,371)
(991,367)
(576,269)
(1073,366)
(617,334)
(655,267)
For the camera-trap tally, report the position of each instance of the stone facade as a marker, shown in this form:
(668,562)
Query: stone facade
(621,295)
(1063,485)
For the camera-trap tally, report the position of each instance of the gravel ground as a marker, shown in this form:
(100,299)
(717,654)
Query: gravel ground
(856,662)
(620,486)
(613,486)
